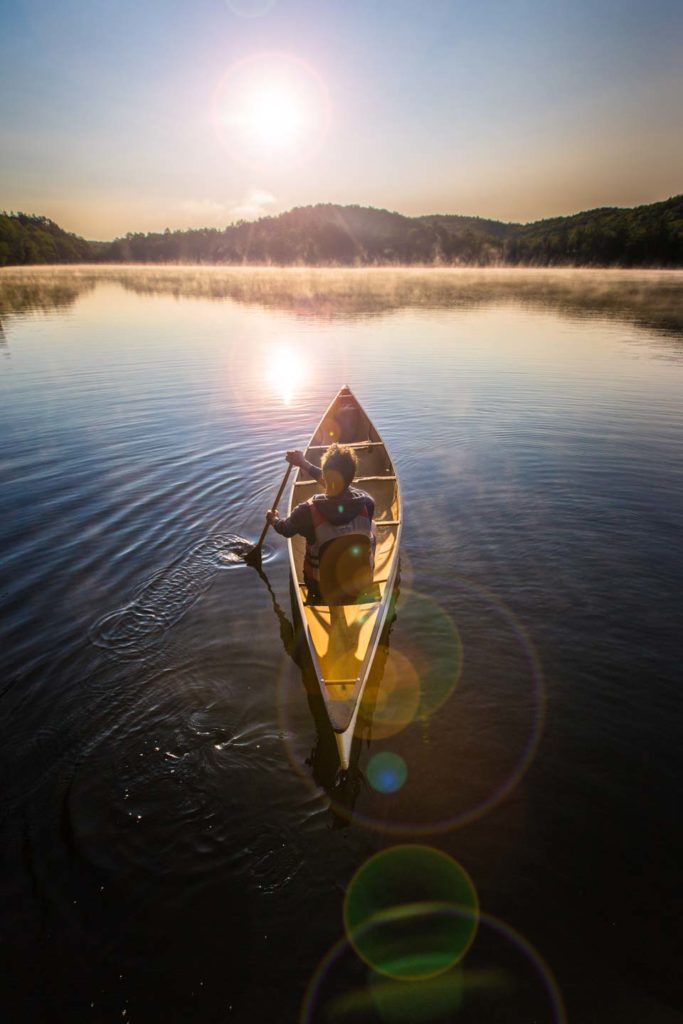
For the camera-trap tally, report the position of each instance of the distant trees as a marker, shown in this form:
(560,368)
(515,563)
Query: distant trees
(330,235)
(644,236)
(27,238)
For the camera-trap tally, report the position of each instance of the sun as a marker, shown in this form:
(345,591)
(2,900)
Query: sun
(274,117)
(271,106)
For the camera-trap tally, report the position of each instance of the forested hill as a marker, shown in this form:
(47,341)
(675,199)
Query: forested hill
(330,235)
(27,238)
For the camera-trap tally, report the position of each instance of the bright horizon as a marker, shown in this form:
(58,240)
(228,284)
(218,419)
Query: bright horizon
(117,117)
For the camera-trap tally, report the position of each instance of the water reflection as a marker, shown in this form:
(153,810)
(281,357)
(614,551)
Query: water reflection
(324,759)
(540,462)
(456,793)
(42,290)
(643,298)
(286,370)
(342,787)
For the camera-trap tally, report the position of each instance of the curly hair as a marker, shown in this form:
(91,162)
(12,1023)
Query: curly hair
(341,460)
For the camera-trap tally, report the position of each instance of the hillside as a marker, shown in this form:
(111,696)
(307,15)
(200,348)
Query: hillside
(332,235)
(644,236)
(27,238)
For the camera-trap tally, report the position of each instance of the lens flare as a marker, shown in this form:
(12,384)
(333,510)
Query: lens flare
(434,650)
(333,431)
(502,977)
(417,680)
(392,703)
(400,1002)
(394,912)
(387,772)
(461,762)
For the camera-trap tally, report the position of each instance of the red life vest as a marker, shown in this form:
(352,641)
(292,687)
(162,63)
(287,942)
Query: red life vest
(325,531)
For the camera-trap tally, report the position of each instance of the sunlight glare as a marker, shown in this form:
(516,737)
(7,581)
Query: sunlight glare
(287,372)
(273,118)
(271,105)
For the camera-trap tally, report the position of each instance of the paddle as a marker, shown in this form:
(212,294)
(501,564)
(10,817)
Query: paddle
(254,556)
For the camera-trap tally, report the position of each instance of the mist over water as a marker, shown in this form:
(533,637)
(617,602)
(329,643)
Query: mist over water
(177,838)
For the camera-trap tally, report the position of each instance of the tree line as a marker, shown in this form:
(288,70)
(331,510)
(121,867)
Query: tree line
(332,235)
(27,238)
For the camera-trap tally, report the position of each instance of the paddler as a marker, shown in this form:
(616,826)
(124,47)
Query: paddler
(341,514)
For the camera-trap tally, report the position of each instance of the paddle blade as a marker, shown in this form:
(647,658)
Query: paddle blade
(253,557)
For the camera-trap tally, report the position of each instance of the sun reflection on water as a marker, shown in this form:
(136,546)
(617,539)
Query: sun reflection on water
(287,372)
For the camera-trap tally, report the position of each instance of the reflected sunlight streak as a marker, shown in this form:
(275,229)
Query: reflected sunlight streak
(286,372)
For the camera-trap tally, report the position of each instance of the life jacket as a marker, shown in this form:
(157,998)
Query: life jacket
(326,532)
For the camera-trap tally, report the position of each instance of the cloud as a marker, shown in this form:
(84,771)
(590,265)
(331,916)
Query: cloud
(256,202)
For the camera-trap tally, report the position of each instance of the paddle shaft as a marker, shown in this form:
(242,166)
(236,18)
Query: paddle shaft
(259,542)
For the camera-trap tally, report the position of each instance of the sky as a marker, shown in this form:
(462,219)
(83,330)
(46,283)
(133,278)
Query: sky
(122,115)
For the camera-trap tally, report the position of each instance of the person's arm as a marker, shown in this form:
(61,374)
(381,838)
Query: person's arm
(297,458)
(369,501)
(298,522)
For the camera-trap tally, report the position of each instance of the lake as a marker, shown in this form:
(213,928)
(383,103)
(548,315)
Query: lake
(177,838)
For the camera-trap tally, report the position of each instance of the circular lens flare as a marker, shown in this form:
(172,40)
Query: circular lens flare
(392,704)
(503,977)
(449,794)
(400,1002)
(387,772)
(393,912)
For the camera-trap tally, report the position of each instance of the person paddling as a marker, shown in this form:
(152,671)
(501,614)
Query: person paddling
(337,526)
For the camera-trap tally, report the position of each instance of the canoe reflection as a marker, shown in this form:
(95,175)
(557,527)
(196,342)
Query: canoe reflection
(342,786)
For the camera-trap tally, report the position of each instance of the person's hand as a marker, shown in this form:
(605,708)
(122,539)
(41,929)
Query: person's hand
(295,457)
(272,515)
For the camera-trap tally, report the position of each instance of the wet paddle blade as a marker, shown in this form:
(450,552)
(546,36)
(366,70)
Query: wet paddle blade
(253,557)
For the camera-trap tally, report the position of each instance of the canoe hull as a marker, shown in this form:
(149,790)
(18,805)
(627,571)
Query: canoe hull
(343,640)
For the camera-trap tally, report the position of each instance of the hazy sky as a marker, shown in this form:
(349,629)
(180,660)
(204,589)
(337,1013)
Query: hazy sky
(127,115)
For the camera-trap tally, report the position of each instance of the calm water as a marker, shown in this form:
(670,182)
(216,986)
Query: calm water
(176,839)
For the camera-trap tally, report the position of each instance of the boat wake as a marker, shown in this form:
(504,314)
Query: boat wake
(132,631)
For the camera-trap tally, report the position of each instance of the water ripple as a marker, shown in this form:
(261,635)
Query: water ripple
(273,857)
(130,632)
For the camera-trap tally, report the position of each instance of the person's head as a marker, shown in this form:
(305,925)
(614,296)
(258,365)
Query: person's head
(339,464)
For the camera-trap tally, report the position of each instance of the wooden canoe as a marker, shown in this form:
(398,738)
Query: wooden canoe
(343,639)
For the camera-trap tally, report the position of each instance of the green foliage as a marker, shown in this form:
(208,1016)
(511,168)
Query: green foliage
(26,238)
(331,235)
(644,236)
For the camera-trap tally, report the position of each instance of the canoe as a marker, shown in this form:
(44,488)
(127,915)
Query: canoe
(343,639)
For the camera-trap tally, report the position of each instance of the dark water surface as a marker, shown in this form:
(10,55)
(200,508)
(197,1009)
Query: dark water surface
(176,840)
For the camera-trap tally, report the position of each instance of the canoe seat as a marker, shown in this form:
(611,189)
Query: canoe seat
(353,444)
